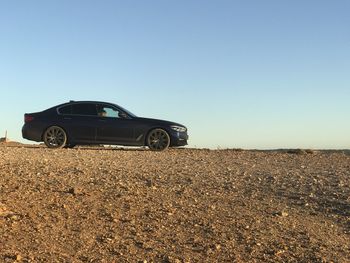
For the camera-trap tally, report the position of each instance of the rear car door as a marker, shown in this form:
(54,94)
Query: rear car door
(80,121)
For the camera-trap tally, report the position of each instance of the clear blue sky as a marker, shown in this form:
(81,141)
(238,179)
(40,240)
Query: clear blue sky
(249,74)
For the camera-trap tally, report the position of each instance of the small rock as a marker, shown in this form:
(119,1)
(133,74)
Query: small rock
(281,213)
(149,183)
(14,218)
(75,190)
(284,214)
(4,211)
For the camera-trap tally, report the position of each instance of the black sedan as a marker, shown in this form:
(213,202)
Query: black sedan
(92,122)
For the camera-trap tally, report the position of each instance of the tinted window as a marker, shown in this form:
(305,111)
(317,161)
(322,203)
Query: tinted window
(107,111)
(65,110)
(84,109)
(111,112)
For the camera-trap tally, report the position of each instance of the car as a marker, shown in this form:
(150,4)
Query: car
(101,123)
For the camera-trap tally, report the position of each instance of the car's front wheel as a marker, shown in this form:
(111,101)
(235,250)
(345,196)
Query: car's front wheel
(55,137)
(158,140)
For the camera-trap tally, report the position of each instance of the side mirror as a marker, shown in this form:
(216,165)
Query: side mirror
(122,115)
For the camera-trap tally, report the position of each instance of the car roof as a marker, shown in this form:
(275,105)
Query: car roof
(85,101)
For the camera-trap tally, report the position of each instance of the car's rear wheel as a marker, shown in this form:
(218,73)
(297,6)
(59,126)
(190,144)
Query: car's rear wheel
(158,140)
(55,137)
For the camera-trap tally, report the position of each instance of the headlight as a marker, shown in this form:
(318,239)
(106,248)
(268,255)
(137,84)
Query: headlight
(178,128)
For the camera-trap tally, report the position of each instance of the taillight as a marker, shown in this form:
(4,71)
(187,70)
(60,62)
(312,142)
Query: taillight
(28,118)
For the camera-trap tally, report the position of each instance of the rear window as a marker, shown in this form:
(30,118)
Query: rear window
(65,110)
(84,109)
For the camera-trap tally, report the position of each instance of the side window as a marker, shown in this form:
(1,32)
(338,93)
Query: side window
(107,111)
(65,110)
(84,109)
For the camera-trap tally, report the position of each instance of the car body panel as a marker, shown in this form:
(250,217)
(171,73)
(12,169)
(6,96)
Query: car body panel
(79,128)
(111,129)
(92,129)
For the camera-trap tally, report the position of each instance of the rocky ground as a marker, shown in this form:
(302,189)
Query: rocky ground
(182,205)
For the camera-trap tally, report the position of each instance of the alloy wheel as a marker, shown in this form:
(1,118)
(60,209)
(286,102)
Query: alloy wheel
(158,140)
(55,137)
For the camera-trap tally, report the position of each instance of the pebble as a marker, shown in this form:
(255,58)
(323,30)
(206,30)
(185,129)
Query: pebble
(284,214)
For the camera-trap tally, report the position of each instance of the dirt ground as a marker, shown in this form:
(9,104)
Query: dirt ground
(181,205)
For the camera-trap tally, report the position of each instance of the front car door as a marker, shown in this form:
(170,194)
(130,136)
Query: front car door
(115,126)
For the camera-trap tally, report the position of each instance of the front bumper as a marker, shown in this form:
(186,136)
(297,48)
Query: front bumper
(179,138)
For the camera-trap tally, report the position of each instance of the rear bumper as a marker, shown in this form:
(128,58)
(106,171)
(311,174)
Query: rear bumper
(32,133)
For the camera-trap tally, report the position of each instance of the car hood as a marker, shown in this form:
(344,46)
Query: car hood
(159,122)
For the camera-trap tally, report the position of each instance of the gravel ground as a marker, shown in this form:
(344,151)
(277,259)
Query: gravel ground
(181,205)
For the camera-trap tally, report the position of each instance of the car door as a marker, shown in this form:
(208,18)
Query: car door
(81,123)
(114,126)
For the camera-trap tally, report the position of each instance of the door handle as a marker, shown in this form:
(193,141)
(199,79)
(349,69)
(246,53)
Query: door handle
(102,120)
(67,118)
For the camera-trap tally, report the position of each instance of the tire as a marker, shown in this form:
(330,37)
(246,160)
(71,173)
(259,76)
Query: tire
(158,140)
(55,137)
